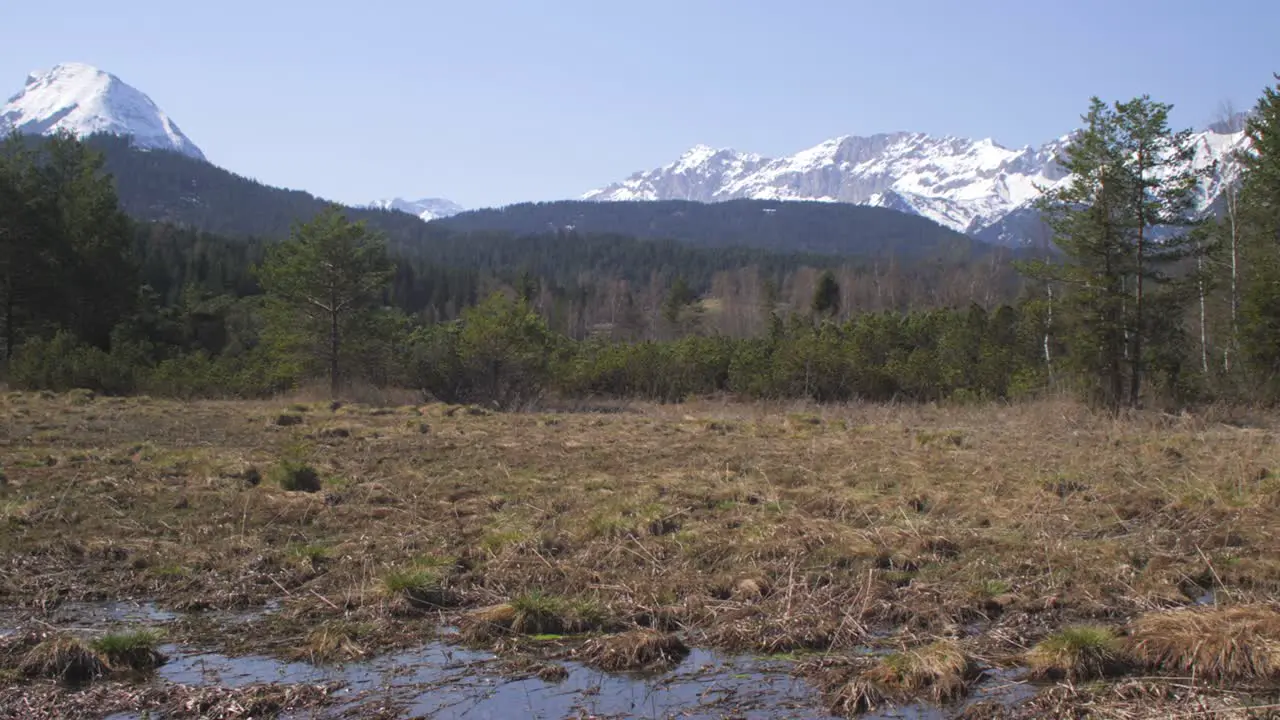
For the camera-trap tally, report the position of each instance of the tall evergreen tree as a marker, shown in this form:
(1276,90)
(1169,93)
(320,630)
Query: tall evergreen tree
(1158,163)
(328,274)
(20,263)
(1121,222)
(65,246)
(1260,239)
(826,296)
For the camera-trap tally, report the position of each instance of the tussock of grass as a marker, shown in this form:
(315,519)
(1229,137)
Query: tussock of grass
(994,588)
(132,650)
(634,650)
(64,658)
(296,477)
(1223,644)
(939,672)
(763,630)
(332,641)
(314,554)
(420,588)
(751,588)
(533,613)
(1078,653)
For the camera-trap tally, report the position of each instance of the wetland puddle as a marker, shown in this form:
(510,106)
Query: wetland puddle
(440,680)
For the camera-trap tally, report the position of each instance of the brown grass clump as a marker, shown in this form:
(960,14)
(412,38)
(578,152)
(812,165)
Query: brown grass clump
(65,658)
(634,650)
(533,613)
(762,630)
(418,589)
(750,588)
(1225,644)
(487,623)
(332,641)
(939,672)
(1078,653)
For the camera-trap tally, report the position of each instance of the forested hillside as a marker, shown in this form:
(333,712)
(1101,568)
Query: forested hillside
(207,226)
(158,185)
(810,227)
(169,187)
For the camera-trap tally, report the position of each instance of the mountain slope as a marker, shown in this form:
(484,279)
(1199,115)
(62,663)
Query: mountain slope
(427,208)
(84,100)
(173,188)
(971,186)
(807,227)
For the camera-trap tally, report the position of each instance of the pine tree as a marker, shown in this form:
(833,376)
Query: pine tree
(678,298)
(1158,162)
(20,264)
(329,273)
(826,296)
(65,246)
(93,239)
(1130,181)
(1260,239)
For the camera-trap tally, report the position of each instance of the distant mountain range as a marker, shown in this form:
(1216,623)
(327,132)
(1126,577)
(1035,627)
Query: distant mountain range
(973,186)
(976,187)
(427,208)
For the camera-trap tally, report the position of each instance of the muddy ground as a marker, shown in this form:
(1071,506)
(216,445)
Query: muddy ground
(707,560)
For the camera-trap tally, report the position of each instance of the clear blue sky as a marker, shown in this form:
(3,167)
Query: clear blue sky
(491,102)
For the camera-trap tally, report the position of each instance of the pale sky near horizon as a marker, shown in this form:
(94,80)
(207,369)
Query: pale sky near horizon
(490,102)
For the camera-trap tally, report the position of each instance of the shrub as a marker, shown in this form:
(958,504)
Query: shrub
(498,353)
(63,363)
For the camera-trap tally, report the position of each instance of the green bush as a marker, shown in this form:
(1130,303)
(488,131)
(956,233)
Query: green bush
(499,353)
(63,363)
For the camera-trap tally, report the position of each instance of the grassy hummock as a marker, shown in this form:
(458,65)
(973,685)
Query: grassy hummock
(938,672)
(634,650)
(1077,653)
(1232,644)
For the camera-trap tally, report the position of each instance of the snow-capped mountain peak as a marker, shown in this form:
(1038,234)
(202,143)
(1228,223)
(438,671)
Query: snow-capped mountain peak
(968,185)
(694,176)
(427,208)
(84,100)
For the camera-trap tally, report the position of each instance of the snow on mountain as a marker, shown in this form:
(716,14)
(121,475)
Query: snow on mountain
(967,185)
(427,208)
(84,100)
(1214,157)
(698,175)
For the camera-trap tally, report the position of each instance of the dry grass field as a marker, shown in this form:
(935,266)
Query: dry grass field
(1127,567)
